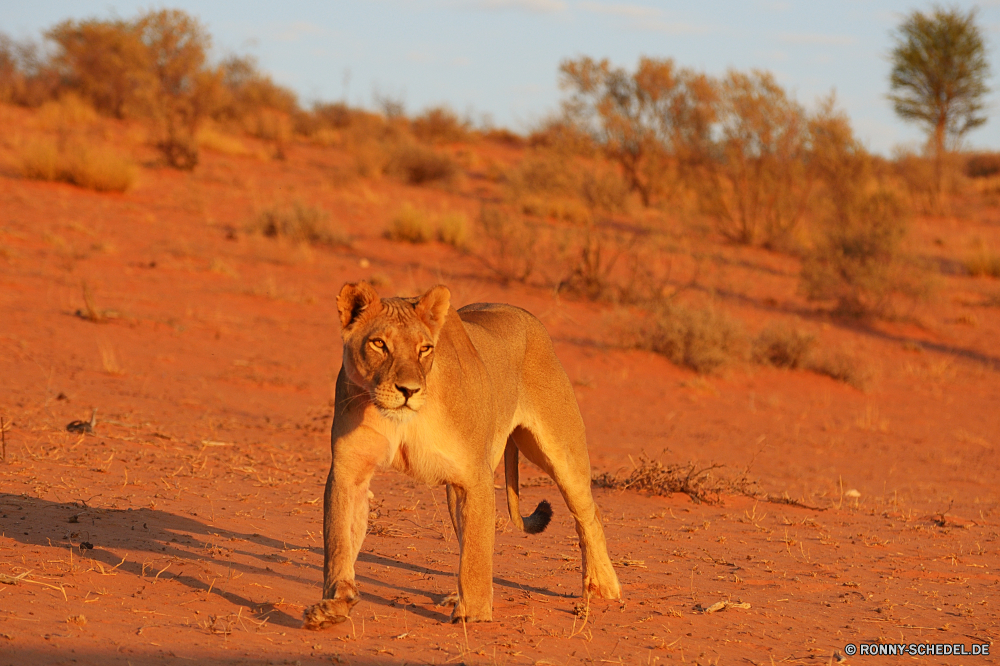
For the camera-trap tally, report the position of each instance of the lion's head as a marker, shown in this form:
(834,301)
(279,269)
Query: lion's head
(389,344)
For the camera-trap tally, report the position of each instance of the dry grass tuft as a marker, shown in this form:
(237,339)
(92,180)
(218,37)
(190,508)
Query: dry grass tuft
(843,367)
(983,261)
(299,223)
(420,165)
(416,225)
(93,167)
(410,224)
(212,139)
(782,346)
(440,125)
(655,478)
(453,228)
(508,244)
(703,339)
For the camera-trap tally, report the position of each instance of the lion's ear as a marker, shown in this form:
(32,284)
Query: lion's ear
(354,299)
(432,308)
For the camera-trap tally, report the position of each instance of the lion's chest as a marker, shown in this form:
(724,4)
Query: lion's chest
(421,450)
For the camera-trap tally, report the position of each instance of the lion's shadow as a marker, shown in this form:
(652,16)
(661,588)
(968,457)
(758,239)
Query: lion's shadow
(39,522)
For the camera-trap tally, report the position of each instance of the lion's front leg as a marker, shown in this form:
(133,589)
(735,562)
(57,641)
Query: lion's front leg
(476,507)
(345,521)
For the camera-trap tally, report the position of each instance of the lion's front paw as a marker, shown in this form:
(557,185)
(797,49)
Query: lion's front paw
(606,587)
(325,613)
(466,613)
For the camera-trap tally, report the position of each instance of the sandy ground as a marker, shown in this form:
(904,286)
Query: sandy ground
(186,528)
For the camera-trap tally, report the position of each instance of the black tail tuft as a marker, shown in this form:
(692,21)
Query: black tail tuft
(539,519)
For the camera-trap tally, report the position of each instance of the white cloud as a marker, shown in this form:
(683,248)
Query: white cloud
(809,38)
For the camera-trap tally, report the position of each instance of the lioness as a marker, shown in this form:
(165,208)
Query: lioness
(441,395)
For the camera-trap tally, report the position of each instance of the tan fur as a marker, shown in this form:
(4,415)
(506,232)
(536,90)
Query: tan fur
(440,394)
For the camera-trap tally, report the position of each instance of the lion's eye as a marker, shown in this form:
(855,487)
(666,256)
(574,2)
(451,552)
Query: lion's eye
(426,349)
(377,344)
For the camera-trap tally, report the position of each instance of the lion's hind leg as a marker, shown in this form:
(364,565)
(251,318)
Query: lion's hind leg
(563,456)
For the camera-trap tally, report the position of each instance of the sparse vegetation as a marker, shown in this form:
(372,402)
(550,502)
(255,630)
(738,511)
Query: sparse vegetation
(419,165)
(508,244)
(844,367)
(93,167)
(855,260)
(983,261)
(411,224)
(453,229)
(416,225)
(700,338)
(655,478)
(440,125)
(299,223)
(782,346)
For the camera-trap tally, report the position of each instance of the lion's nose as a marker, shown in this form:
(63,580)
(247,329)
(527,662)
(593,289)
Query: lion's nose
(408,391)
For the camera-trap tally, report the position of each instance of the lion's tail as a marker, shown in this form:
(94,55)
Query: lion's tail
(540,517)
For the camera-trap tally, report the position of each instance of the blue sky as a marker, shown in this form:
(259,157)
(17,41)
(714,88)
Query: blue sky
(500,57)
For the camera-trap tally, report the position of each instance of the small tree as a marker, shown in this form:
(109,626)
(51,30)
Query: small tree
(756,184)
(646,121)
(939,72)
(177,44)
(106,63)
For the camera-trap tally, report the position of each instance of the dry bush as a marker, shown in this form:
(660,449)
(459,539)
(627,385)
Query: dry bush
(563,135)
(440,125)
(416,225)
(509,244)
(982,165)
(553,184)
(454,229)
(843,367)
(602,263)
(983,261)
(299,223)
(655,478)
(648,121)
(27,77)
(918,179)
(67,115)
(99,168)
(40,160)
(211,138)
(758,185)
(420,165)
(855,261)
(411,224)
(782,346)
(700,338)
(505,136)
(93,167)
(245,91)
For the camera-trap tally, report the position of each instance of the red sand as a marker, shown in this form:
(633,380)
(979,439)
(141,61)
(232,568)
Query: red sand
(199,490)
